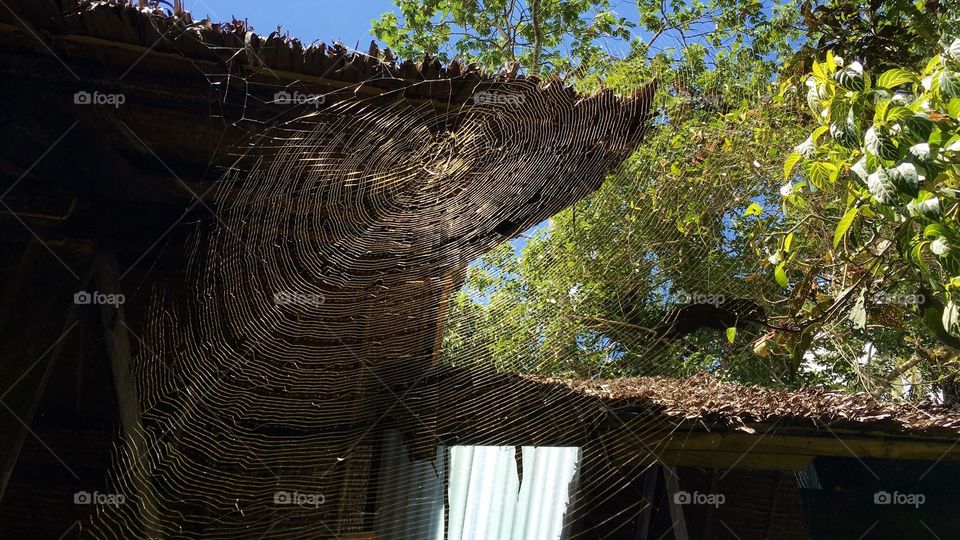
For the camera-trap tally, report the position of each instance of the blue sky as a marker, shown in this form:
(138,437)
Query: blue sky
(309,20)
(323,20)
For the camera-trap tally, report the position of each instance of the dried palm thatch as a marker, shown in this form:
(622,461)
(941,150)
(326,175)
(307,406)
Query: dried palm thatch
(727,405)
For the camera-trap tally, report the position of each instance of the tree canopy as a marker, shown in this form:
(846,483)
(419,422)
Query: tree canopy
(791,218)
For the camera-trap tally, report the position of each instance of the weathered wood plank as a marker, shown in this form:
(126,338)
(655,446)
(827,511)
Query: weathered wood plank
(107,278)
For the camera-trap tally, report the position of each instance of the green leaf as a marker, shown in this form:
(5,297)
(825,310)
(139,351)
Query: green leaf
(906,178)
(845,222)
(918,127)
(781,276)
(929,208)
(790,163)
(731,334)
(895,77)
(818,70)
(953,51)
(932,65)
(818,132)
(898,113)
(821,172)
(951,313)
(935,230)
(949,83)
(916,255)
(940,246)
(882,188)
(880,144)
(851,77)
(880,112)
(953,108)
(788,243)
(753,210)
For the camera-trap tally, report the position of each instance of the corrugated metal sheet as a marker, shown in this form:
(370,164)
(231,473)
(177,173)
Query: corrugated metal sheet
(488,498)
(410,496)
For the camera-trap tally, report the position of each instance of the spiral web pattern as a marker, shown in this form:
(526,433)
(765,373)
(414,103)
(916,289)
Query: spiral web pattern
(309,318)
(314,353)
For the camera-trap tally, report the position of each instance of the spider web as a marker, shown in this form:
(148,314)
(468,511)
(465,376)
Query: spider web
(308,324)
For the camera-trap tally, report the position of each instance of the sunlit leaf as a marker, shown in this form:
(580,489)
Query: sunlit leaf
(906,178)
(882,188)
(879,143)
(851,77)
(789,164)
(806,149)
(895,77)
(940,246)
(845,222)
(821,172)
(921,153)
(953,51)
(949,83)
(781,276)
(929,208)
(951,314)
(859,170)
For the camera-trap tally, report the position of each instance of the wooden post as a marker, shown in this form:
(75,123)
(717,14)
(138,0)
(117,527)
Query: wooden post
(649,493)
(676,511)
(107,278)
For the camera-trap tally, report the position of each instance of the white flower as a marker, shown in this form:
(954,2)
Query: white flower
(807,148)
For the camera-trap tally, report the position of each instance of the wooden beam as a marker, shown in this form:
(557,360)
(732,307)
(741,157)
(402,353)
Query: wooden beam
(753,460)
(774,451)
(107,278)
(823,444)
